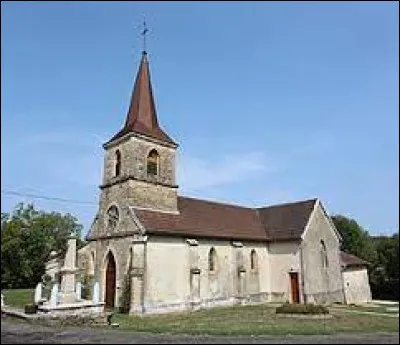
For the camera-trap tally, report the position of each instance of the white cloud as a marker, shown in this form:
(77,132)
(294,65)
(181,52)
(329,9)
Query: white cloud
(196,174)
(63,157)
(75,158)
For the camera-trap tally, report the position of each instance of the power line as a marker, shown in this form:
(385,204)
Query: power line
(37,196)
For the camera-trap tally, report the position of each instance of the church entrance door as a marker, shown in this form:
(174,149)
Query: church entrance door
(110,281)
(294,284)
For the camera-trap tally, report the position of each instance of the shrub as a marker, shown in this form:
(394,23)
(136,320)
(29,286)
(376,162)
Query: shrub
(87,286)
(125,300)
(31,309)
(302,309)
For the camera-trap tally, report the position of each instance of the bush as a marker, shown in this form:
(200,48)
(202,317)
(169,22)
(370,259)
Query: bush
(87,286)
(302,309)
(125,299)
(31,309)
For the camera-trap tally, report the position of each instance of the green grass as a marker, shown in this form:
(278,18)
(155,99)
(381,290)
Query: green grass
(238,320)
(253,320)
(377,308)
(18,297)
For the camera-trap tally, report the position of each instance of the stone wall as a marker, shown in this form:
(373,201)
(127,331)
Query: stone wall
(321,285)
(156,192)
(177,275)
(356,285)
(121,249)
(284,258)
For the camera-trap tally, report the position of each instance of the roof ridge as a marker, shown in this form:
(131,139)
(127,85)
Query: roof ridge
(248,207)
(216,202)
(287,203)
(350,254)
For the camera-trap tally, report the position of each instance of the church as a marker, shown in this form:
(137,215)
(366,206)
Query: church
(170,252)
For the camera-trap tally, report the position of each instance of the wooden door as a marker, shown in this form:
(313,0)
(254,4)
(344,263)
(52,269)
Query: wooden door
(110,281)
(294,285)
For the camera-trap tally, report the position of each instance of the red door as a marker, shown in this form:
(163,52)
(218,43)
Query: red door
(110,281)
(294,285)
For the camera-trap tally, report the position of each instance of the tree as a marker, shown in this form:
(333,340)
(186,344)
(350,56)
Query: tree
(388,254)
(27,238)
(355,240)
(381,252)
(387,275)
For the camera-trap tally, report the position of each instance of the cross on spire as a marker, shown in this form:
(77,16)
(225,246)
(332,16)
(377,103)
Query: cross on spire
(142,114)
(143,33)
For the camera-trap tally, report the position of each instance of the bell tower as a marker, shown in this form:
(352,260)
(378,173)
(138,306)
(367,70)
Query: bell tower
(139,163)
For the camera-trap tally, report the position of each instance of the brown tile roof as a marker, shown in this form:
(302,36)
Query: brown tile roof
(286,221)
(201,218)
(347,260)
(142,115)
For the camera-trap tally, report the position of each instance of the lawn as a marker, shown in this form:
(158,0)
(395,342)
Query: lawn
(18,297)
(253,320)
(238,320)
(376,308)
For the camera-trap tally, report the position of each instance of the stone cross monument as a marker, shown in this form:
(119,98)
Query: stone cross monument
(68,271)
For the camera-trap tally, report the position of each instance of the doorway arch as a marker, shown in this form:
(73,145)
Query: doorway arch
(109,297)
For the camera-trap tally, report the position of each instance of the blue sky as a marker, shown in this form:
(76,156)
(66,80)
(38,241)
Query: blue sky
(270,101)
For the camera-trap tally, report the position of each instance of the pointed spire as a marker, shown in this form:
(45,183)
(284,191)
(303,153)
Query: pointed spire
(142,115)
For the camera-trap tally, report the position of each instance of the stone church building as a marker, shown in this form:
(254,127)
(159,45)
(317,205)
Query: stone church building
(180,253)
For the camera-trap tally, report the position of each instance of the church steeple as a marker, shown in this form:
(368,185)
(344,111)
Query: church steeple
(142,114)
(140,158)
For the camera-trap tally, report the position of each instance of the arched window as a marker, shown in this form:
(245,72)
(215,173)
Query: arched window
(130,259)
(212,260)
(112,217)
(152,163)
(117,163)
(324,255)
(253,260)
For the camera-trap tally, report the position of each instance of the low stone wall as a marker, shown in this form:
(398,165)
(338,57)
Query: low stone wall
(81,308)
(101,320)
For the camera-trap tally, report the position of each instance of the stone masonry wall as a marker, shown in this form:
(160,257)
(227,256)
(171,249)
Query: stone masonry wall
(321,285)
(121,250)
(183,280)
(135,187)
(134,152)
(356,285)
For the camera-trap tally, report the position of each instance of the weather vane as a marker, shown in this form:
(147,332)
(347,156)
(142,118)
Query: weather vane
(144,32)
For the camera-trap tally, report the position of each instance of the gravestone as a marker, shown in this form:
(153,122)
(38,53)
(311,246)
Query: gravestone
(78,291)
(38,293)
(96,293)
(54,295)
